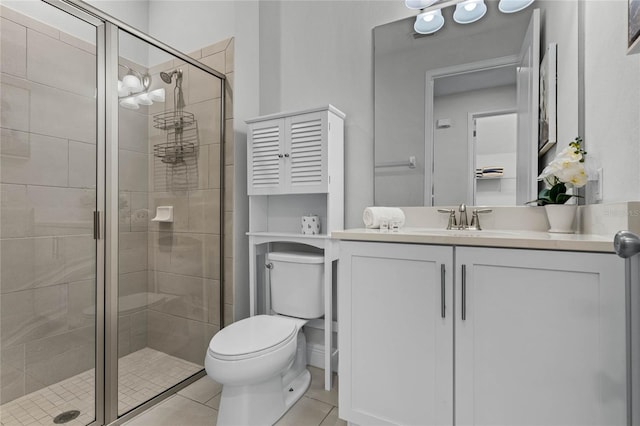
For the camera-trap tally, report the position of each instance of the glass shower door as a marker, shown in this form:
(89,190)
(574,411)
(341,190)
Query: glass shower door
(48,254)
(169,115)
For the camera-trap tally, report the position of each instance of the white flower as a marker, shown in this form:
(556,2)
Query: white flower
(567,168)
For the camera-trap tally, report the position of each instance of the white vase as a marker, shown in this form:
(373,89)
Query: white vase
(561,217)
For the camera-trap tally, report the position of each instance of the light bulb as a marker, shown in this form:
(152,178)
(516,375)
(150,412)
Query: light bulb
(512,6)
(469,11)
(470,6)
(129,103)
(143,99)
(122,91)
(429,22)
(132,83)
(157,95)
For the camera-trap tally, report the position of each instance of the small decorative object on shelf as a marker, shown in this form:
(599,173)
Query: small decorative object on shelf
(311,225)
(564,172)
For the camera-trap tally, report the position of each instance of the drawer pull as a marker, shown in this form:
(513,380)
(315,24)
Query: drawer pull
(442,289)
(464,292)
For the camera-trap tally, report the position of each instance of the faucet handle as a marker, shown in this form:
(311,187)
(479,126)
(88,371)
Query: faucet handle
(475,219)
(452,217)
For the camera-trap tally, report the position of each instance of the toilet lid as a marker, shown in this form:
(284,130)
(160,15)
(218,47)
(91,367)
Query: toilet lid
(252,336)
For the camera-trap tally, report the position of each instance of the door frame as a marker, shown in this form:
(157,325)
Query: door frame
(471,146)
(429,130)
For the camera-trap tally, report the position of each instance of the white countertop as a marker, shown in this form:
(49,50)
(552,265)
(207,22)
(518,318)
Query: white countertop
(485,238)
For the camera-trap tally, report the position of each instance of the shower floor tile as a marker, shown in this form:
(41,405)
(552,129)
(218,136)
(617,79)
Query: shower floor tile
(142,375)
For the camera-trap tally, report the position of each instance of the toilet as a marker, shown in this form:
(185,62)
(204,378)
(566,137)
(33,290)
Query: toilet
(261,361)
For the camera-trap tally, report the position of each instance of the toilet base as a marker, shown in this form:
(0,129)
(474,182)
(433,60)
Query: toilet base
(260,404)
(264,403)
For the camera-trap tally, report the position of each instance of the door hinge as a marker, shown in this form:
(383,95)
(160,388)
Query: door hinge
(96,225)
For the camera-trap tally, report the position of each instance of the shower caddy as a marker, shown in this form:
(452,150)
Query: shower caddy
(181,126)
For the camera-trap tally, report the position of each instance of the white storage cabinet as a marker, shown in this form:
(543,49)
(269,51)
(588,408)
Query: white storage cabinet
(294,153)
(295,166)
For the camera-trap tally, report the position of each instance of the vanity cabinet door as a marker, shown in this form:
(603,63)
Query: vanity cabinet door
(540,338)
(396,337)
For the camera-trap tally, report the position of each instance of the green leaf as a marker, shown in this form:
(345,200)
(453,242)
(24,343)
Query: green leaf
(558,192)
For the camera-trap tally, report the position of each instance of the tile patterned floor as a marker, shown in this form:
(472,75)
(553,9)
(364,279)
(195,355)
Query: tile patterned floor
(197,405)
(143,374)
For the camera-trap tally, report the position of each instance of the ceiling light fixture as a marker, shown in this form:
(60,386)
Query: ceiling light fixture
(469,11)
(429,22)
(512,6)
(430,19)
(133,90)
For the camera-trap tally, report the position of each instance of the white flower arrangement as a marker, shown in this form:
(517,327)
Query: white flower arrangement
(566,170)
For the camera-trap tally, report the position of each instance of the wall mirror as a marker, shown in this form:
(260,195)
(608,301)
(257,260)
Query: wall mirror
(447,105)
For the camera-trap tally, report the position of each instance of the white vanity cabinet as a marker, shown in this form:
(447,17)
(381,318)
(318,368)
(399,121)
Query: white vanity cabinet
(543,338)
(294,153)
(396,338)
(535,337)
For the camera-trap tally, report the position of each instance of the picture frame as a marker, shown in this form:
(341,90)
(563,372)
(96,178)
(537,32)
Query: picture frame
(634,27)
(547,114)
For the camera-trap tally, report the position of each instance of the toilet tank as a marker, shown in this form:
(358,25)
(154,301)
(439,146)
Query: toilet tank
(297,284)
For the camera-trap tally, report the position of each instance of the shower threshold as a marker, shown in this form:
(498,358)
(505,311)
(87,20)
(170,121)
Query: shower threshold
(142,375)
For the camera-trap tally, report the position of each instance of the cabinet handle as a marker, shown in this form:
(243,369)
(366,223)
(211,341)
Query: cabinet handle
(464,292)
(442,289)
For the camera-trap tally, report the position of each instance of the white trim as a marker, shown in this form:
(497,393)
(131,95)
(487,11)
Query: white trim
(429,128)
(316,357)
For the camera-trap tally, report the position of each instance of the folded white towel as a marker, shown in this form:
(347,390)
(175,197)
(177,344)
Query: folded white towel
(373,215)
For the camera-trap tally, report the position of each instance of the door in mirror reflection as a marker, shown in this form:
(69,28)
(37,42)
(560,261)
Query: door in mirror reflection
(495,140)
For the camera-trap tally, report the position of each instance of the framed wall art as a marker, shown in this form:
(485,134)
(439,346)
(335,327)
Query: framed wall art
(547,117)
(634,26)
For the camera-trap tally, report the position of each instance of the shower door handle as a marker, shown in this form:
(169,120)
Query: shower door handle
(96,225)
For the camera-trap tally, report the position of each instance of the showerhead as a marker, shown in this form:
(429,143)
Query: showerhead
(168,76)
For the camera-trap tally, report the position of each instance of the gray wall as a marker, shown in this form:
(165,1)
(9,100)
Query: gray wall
(612,98)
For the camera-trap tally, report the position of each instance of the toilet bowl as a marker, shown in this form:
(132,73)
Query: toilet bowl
(261,363)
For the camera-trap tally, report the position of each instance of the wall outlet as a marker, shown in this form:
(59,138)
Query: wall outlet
(598,186)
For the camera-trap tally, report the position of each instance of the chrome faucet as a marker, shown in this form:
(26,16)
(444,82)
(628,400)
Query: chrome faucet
(464,220)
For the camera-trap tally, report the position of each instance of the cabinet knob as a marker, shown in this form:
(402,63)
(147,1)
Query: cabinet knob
(280,155)
(286,155)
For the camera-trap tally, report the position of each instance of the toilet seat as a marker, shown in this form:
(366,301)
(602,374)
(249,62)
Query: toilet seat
(252,337)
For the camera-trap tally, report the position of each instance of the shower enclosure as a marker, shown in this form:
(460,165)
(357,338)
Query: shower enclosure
(110,225)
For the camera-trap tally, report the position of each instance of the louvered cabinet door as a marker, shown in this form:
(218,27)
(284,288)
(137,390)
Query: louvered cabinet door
(265,156)
(306,164)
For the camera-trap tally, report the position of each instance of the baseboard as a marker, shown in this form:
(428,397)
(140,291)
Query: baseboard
(315,357)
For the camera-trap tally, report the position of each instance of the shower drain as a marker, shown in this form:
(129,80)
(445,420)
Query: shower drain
(67,416)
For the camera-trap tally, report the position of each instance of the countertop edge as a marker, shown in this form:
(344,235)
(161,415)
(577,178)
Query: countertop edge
(529,240)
